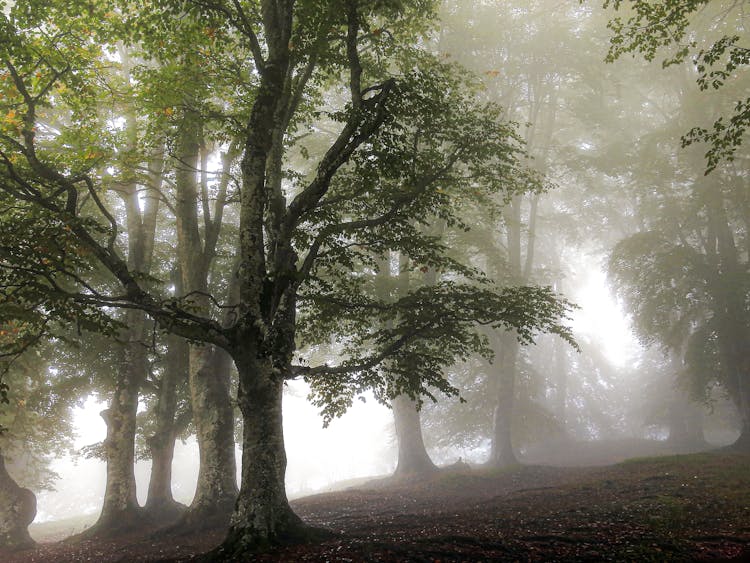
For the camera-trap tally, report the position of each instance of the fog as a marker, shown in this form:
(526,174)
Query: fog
(271,268)
(359,444)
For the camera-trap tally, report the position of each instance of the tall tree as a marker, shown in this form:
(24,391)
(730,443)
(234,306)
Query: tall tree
(298,241)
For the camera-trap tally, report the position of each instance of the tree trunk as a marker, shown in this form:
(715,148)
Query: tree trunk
(17,511)
(262,516)
(501,453)
(729,304)
(209,371)
(120,510)
(561,385)
(742,444)
(413,458)
(160,503)
(412,454)
(685,425)
(216,489)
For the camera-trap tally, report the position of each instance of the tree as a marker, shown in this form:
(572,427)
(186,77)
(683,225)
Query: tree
(522,70)
(297,241)
(17,512)
(686,285)
(167,424)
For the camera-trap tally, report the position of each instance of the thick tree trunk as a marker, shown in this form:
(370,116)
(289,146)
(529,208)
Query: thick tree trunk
(216,489)
(209,371)
(262,516)
(685,425)
(501,453)
(120,510)
(17,511)
(412,454)
(160,503)
(742,444)
(729,305)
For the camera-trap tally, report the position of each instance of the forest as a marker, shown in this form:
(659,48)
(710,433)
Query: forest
(374,280)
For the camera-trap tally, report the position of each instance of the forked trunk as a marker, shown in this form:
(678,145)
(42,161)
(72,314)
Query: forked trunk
(412,454)
(17,511)
(262,516)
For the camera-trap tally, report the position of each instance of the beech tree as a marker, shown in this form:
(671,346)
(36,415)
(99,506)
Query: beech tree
(299,235)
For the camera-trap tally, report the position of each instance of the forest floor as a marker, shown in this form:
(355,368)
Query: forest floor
(680,508)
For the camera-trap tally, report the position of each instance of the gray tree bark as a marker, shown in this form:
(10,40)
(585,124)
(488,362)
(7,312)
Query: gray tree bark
(733,334)
(413,458)
(160,503)
(120,509)
(502,453)
(17,511)
(209,367)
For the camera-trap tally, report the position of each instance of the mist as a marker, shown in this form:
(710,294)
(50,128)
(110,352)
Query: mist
(353,281)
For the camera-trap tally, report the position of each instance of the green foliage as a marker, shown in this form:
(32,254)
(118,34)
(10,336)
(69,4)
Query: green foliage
(421,148)
(686,287)
(652,26)
(439,156)
(420,333)
(657,280)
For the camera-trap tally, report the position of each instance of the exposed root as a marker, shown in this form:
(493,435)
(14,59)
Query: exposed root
(116,524)
(195,520)
(241,542)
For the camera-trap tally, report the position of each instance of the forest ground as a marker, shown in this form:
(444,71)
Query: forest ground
(679,507)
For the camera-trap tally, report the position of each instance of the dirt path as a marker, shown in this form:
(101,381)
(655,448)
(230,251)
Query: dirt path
(681,508)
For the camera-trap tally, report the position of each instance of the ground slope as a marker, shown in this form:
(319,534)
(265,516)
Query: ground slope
(683,508)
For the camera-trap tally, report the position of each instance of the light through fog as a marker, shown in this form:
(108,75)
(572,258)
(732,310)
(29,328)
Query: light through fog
(523,226)
(601,318)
